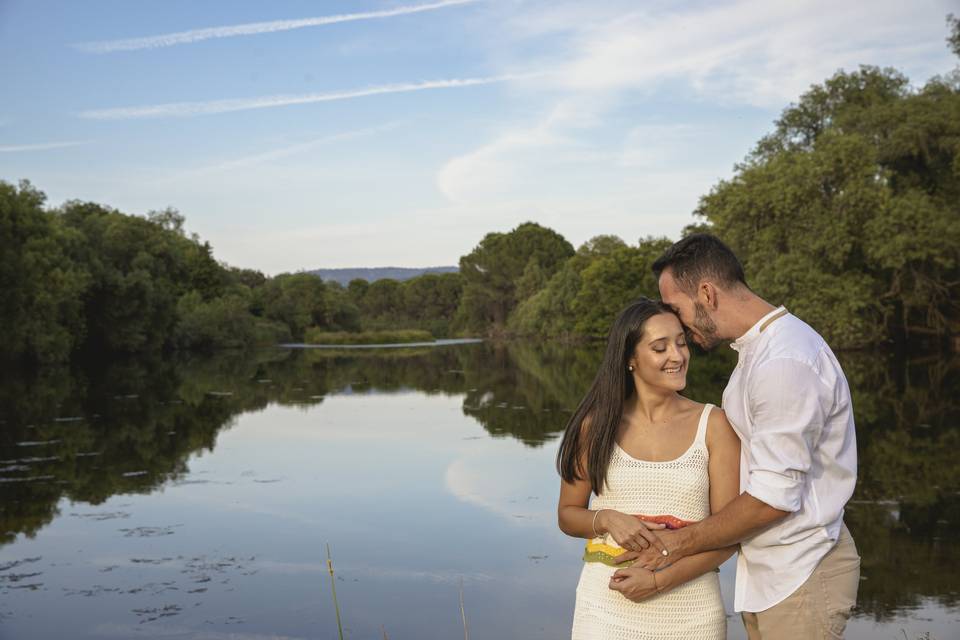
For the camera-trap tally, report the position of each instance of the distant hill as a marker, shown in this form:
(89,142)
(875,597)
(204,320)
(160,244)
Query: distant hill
(370,274)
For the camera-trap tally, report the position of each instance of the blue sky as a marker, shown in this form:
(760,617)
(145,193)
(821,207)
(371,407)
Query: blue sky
(295,134)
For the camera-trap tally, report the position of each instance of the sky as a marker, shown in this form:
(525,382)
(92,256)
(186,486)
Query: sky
(299,134)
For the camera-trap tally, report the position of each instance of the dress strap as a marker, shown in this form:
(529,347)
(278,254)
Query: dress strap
(701,437)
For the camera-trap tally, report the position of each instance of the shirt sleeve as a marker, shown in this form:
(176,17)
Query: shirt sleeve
(789,404)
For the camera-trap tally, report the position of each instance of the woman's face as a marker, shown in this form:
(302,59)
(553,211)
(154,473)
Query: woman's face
(661,356)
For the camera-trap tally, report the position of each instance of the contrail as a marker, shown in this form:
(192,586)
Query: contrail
(187,109)
(275,154)
(39,147)
(229,31)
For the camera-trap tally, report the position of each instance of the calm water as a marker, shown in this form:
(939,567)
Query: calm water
(195,499)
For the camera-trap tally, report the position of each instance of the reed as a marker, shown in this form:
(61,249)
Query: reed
(333,590)
(463,613)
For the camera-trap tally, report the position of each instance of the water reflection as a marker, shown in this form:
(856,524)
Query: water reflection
(88,434)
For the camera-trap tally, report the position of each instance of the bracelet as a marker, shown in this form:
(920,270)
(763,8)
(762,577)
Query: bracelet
(594,525)
(655,585)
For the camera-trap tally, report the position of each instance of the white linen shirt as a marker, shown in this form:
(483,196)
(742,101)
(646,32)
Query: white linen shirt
(789,402)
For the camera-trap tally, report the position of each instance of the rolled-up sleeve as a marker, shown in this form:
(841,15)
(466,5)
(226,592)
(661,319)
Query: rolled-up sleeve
(789,403)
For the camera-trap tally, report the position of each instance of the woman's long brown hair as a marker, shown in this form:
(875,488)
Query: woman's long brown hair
(593,427)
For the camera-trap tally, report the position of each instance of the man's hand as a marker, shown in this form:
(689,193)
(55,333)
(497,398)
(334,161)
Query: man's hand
(653,558)
(634,583)
(630,532)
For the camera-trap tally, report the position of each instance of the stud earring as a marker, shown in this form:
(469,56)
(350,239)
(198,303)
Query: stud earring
(630,368)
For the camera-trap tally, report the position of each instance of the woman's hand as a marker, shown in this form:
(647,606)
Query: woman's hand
(630,532)
(647,559)
(634,583)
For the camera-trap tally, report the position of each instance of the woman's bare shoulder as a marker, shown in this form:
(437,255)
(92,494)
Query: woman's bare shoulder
(719,429)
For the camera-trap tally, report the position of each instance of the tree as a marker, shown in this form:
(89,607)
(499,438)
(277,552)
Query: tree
(849,212)
(430,301)
(382,298)
(41,285)
(491,272)
(297,300)
(954,38)
(612,281)
(549,311)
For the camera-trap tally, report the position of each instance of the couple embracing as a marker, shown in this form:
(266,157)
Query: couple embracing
(677,487)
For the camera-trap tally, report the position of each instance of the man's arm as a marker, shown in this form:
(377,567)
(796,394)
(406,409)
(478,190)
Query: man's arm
(743,517)
(789,403)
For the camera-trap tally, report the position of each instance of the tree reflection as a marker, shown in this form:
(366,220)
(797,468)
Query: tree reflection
(88,433)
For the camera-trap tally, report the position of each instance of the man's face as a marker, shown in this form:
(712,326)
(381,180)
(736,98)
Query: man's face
(693,315)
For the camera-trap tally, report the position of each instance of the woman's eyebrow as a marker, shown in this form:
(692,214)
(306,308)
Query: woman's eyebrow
(657,339)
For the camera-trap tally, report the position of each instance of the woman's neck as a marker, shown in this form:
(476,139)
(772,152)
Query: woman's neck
(653,405)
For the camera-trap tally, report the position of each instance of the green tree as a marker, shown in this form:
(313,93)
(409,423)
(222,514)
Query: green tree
(954,38)
(849,212)
(343,314)
(550,311)
(491,272)
(297,300)
(357,288)
(382,298)
(41,285)
(430,301)
(611,281)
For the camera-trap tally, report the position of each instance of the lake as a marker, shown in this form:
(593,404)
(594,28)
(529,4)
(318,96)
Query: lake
(195,498)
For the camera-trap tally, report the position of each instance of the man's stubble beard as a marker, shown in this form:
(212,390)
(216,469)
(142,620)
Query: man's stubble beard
(706,327)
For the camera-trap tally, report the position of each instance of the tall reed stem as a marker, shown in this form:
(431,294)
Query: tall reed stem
(333,590)
(463,613)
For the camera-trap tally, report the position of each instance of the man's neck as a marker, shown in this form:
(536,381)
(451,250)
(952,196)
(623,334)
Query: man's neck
(750,309)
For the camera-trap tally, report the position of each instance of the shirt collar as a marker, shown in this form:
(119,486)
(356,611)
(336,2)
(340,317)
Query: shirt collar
(754,332)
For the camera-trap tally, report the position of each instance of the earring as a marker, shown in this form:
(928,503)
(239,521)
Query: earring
(630,367)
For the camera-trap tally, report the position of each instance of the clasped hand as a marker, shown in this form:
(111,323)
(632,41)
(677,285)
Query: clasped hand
(634,583)
(632,533)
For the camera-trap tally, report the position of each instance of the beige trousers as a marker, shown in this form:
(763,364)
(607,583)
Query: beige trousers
(819,609)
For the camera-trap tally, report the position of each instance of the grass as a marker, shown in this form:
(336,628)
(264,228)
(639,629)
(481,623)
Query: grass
(333,589)
(463,613)
(399,336)
(336,605)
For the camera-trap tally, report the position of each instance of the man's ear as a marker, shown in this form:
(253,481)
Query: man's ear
(707,294)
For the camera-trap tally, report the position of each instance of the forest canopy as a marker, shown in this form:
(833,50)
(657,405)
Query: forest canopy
(848,212)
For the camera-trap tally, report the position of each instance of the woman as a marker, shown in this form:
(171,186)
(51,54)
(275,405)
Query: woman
(645,450)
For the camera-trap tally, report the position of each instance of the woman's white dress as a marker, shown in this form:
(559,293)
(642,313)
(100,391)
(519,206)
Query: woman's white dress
(681,488)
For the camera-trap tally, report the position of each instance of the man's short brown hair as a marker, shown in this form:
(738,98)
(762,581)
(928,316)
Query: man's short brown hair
(697,257)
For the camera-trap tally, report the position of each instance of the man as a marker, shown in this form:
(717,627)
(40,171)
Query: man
(798,569)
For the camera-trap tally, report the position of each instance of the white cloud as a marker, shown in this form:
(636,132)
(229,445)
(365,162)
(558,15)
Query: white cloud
(497,478)
(499,167)
(749,53)
(43,146)
(187,109)
(253,28)
(294,149)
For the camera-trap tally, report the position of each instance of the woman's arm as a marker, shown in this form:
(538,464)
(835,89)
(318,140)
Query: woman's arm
(575,519)
(724,470)
(572,514)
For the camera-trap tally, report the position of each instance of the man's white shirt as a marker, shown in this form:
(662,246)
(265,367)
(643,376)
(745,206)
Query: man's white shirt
(789,402)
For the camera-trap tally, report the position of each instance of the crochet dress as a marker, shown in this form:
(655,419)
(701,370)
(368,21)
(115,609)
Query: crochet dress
(678,488)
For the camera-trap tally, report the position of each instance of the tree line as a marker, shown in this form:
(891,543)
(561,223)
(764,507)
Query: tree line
(848,212)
